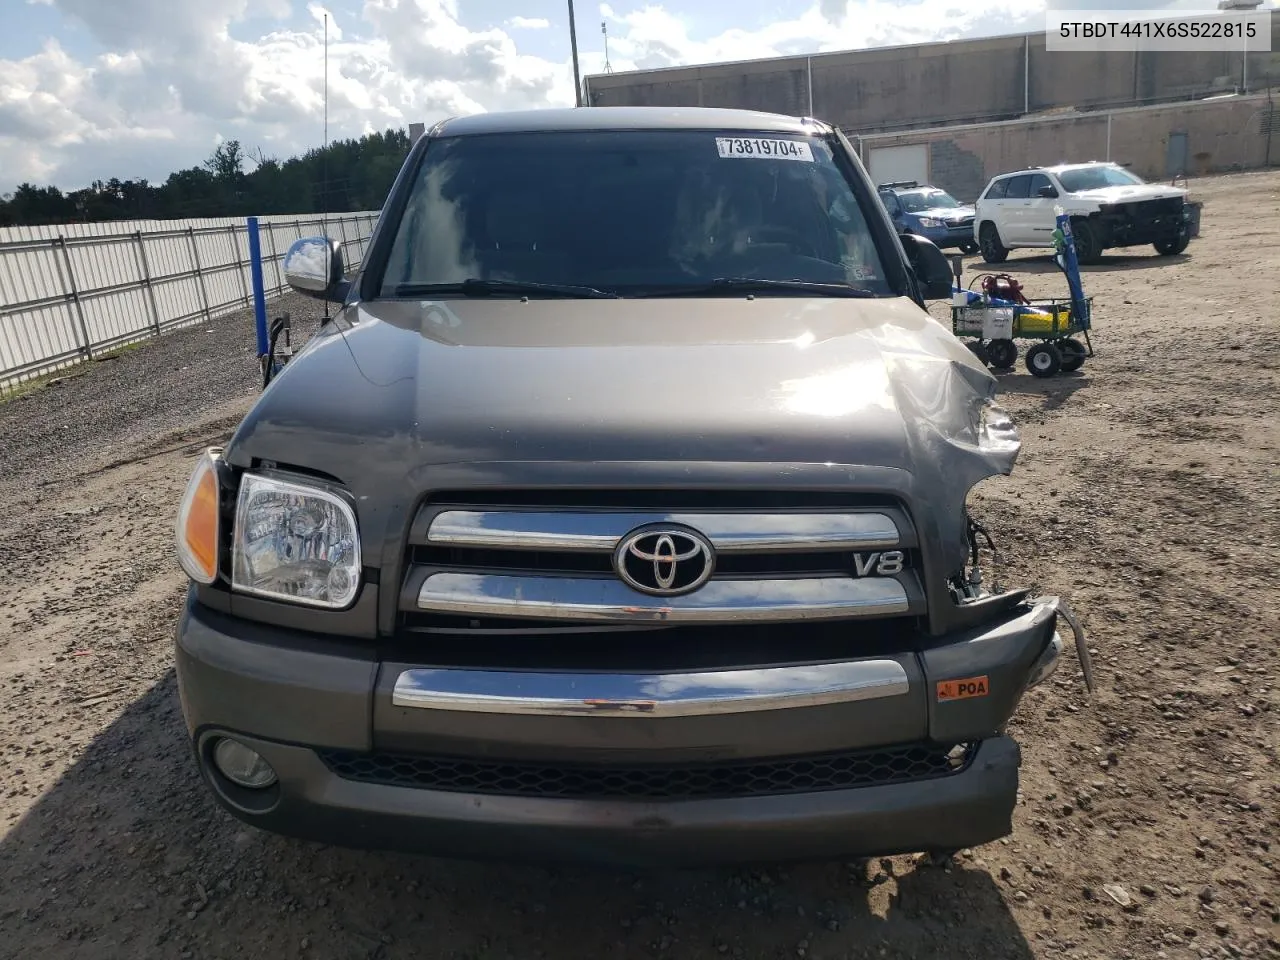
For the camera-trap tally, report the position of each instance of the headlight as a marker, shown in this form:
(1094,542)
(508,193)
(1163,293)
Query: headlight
(199,525)
(929,223)
(295,542)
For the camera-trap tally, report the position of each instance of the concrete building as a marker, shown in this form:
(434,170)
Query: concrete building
(957,113)
(1160,142)
(968,81)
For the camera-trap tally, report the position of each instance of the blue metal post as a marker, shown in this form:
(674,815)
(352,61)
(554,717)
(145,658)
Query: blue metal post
(259,296)
(1071,267)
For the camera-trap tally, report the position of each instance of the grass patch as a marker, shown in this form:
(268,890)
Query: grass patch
(78,369)
(129,347)
(22,388)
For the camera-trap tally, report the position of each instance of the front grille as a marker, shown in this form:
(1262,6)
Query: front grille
(1163,207)
(601,564)
(547,558)
(750,778)
(1150,212)
(508,644)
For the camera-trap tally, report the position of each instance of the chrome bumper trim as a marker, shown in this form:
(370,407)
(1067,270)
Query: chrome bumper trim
(649,695)
(728,532)
(607,599)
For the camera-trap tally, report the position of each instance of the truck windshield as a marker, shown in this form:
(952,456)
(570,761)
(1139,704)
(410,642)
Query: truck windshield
(920,200)
(1096,178)
(631,213)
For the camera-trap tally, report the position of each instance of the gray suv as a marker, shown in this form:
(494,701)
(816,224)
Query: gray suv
(619,514)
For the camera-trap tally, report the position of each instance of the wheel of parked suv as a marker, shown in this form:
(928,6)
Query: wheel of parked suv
(1003,354)
(1171,248)
(1044,360)
(993,251)
(1073,354)
(969,248)
(1088,243)
(979,350)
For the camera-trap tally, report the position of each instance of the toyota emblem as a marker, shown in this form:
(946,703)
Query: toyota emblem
(664,560)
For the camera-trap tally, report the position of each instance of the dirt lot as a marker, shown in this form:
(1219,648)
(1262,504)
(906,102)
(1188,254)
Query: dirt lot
(1148,493)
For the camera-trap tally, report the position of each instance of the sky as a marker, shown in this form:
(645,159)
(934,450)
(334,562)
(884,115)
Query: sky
(94,89)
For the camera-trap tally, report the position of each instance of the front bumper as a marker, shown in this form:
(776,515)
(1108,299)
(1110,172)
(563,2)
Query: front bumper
(944,237)
(296,698)
(1127,229)
(968,809)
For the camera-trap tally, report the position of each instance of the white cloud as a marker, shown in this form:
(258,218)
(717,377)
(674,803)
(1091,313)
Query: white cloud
(319,13)
(176,78)
(652,36)
(52,107)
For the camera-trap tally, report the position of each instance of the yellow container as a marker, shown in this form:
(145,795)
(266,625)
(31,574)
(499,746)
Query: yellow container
(1040,320)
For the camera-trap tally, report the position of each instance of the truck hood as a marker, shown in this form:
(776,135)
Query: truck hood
(1134,194)
(390,392)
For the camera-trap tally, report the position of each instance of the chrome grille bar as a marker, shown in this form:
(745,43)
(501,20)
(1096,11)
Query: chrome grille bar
(600,532)
(610,600)
(649,695)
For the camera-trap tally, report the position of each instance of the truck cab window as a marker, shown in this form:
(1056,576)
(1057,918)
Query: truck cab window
(626,212)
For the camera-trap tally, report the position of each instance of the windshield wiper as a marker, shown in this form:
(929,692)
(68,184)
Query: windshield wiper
(757,284)
(475,287)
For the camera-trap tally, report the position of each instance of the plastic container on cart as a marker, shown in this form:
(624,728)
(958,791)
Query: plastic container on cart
(1044,320)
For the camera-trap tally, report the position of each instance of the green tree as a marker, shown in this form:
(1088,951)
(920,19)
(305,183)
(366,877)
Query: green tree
(349,175)
(39,205)
(227,161)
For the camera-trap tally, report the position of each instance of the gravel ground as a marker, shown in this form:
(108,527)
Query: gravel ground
(132,397)
(1147,493)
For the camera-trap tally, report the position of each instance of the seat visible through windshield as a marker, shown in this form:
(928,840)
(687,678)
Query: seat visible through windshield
(629,212)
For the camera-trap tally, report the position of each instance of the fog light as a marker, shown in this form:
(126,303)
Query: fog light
(241,765)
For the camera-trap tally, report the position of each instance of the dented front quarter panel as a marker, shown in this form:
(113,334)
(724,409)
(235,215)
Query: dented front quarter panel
(958,433)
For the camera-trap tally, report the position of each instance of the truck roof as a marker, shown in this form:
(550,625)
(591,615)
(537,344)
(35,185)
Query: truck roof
(626,118)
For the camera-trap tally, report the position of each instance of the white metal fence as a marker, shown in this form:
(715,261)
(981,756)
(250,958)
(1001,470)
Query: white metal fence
(72,291)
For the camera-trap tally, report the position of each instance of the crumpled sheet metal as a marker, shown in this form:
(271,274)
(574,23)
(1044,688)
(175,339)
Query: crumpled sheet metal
(958,433)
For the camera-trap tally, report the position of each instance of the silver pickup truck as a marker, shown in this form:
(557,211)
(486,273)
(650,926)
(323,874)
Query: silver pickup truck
(619,514)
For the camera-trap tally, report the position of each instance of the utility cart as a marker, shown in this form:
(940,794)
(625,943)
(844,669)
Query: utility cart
(992,320)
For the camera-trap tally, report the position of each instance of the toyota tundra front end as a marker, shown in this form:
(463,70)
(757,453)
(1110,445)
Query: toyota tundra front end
(620,514)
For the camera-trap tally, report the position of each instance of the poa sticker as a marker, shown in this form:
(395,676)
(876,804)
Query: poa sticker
(763,149)
(963,689)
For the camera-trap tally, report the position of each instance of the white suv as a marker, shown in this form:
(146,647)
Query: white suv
(1109,207)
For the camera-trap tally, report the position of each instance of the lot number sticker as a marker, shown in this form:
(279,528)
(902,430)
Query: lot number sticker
(763,149)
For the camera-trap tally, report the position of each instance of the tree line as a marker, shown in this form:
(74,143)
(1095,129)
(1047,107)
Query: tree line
(349,175)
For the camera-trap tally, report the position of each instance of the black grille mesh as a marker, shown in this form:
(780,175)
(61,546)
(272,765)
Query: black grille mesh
(839,771)
(1156,209)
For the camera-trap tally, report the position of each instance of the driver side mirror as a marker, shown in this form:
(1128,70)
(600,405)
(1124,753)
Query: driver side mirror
(930,266)
(315,266)
(1048,192)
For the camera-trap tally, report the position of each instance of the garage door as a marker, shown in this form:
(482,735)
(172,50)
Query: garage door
(887,164)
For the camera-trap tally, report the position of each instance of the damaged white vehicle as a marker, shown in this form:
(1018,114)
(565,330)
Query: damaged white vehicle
(1109,207)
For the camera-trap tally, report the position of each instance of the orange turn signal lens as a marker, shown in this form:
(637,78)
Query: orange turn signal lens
(198,521)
